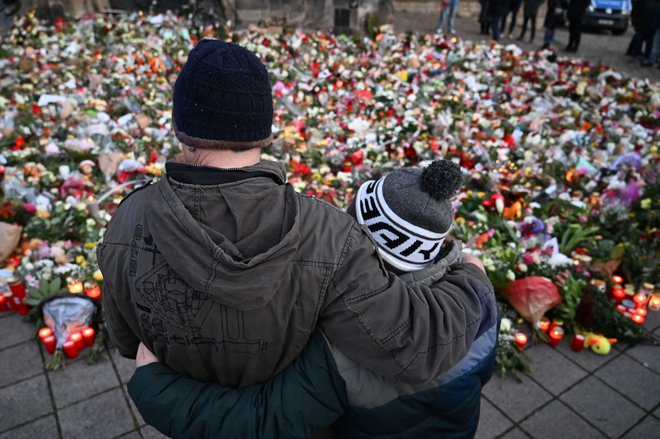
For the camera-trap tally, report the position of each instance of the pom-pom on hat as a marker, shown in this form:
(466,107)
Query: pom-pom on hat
(408,212)
(223,99)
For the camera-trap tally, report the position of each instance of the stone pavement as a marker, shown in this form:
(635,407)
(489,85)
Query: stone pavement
(568,395)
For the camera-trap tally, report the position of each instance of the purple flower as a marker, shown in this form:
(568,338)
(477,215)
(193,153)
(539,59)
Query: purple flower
(630,159)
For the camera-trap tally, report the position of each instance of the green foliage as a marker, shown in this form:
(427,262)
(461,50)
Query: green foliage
(574,235)
(571,293)
(509,361)
(46,289)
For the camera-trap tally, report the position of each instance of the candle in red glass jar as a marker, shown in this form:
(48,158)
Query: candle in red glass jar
(638,319)
(641,312)
(45,332)
(77,338)
(555,334)
(88,335)
(578,342)
(619,294)
(544,324)
(521,341)
(70,349)
(618,280)
(639,299)
(3,303)
(93,292)
(49,343)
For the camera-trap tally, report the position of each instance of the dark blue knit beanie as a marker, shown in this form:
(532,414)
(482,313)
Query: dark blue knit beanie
(223,99)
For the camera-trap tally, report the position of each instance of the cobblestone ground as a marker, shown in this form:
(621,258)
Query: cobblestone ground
(595,46)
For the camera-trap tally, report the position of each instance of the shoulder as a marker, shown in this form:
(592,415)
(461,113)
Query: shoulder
(137,189)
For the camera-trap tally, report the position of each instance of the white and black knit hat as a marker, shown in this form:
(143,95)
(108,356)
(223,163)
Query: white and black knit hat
(408,212)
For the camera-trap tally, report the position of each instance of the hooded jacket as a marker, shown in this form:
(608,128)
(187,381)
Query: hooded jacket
(226,282)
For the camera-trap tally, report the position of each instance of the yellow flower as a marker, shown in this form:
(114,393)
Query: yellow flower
(90,245)
(646,203)
(98,276)
(81,260)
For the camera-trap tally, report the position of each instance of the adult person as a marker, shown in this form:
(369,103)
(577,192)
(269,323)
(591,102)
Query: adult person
(497,9)
(575,14)
(447,16)
(531,11)
(372,406)
(223,271)
(513,9)
(654,55)
(554,17)
(484,17)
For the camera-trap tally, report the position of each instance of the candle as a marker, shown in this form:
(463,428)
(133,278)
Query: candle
(639,299)
(88,335)
(638,319)
(618,280)
(641,312)
(70,349)
(619,294)
(3,303)
(521,341)
(75,286)
(544,324)
(556,334)
(654,302)
(45,332)
(556,323)
(578,342)
(621,308)
(93,291)
(49,343)
(9,300)
(77,338)
(17,289)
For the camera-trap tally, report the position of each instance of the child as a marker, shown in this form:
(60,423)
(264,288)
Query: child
(409,215)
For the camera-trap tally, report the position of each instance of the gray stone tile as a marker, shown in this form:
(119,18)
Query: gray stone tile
(648,428)
(125,366)
(516,399)
(586,358)
(564,422)
(516,433)
(134,410)
(132,435)
(492,422)
(79,380)
(24,401)
(148,432)
(552,370)
(41,428)
(647,353)
(604,408)
(14,330)
(104,416)
(629,377)
(19,362)
(652,320)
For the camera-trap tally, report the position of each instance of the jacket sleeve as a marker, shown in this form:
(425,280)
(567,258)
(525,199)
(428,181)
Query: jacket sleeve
(306,397)
(410,332)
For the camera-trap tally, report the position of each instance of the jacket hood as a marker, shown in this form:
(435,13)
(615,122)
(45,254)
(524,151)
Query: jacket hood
(216,265)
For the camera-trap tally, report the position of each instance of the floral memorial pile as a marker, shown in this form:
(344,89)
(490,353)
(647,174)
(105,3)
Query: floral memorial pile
(560,157)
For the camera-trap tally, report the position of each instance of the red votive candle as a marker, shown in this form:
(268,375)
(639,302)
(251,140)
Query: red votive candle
(17,289)
(617,279)
(638,319)
(88,335)
(93,292)
(578,342)
(641,312)
(3,303)
(521,341)
(639,299)
(45,332)
(621,308)
(544,324)
(555,334)
(70,349)
(619,294)
(9,300)
(49,343)
(77,338)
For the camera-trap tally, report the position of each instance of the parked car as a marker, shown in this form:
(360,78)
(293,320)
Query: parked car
(611,15)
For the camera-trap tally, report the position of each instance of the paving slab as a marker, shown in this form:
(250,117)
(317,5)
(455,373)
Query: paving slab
(492,422)
(23,402)
(134,410)
(563,421)
(632,379)
(103,416)
(41,428)
(20,362)
(125,367)
(647,353)
(602,406)
(79,380)
(516,399)
(656,413)
(13,330)
(132,435)
(648,428)
(652,321)
(148,432)
(516,433)
(552,370)
(586,359)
